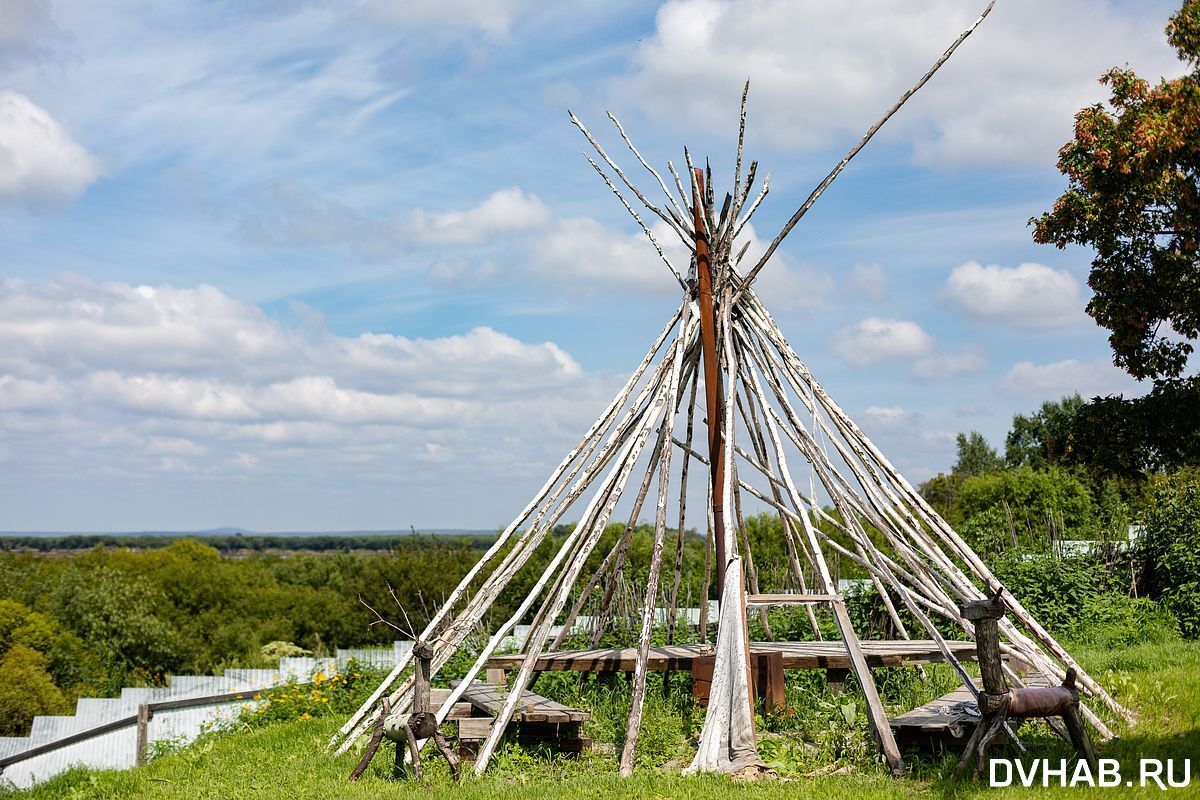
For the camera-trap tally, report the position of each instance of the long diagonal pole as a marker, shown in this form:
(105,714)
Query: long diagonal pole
(712,375)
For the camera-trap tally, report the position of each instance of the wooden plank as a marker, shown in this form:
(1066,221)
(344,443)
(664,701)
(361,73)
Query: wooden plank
(474,728)
(788,599)
(702,672)
(796,655)
(490,699)
(143,735)
(933,714)
(461,711)
(876,714)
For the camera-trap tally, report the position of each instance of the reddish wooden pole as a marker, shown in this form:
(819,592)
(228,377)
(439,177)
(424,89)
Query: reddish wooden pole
(712,380)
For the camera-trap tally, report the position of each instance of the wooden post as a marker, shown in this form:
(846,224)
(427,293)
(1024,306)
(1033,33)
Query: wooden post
(712,376)
(769,681)
(986,614)
(422,654)
(835,679)
(143,734)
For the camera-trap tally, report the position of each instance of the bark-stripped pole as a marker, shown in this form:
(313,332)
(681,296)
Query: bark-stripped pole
(837,170)
(712,376)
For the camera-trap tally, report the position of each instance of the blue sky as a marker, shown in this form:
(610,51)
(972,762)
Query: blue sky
(298,265)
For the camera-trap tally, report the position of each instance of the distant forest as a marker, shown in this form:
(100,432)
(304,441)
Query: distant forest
(232,543)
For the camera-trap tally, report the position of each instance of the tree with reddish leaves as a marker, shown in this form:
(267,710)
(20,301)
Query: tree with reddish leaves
(1134,197)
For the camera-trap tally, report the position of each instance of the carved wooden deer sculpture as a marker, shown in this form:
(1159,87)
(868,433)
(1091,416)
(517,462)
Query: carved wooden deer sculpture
(409,728)
(998,703)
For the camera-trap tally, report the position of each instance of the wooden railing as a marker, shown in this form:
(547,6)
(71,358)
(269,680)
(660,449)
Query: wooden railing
(141,719)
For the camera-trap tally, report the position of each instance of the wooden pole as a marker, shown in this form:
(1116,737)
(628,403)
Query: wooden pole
(837,170)
(634,723)
(143,734)
(712,374)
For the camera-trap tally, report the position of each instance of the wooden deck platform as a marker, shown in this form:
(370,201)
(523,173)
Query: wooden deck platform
(943,724)
(796,655)
(490,698)
(947,722)
(536,721)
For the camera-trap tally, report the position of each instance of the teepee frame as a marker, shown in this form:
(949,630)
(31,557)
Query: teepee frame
(756,390)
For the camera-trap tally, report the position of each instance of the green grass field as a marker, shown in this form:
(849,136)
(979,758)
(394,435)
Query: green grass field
(287,761)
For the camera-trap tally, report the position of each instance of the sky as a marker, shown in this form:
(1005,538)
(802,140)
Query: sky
(303,265)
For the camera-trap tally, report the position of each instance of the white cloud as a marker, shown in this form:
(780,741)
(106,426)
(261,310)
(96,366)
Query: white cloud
(282,213)
(879,341)
(1028,296)
(493,18)
(972,410)
(282,90)
(785,288)
(969,361)
(869,280)
(1052,381)
(243,461)
(582,257)
(888,416)
(40,164)
(904,434)
(461,272)
(1008,95)
(143,379)
(506,211)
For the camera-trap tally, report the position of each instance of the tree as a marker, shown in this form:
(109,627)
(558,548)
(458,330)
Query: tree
(26,690)
(1044,437)
(975,455)
(1134,196)
(1129,439)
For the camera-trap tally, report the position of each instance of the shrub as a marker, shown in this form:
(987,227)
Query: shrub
(272,652)
(1054,590)
(1036,499)
(1170,545)
(339,693)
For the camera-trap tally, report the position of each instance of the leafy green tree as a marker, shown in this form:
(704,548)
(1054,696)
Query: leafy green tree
(73,666)
(1134,196)
(1112,436)
(941,491)
(26,690)
(124,616)
(975,455)
(1043,438)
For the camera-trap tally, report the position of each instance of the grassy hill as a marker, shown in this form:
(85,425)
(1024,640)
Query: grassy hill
(286,760)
